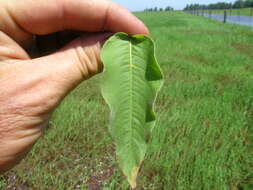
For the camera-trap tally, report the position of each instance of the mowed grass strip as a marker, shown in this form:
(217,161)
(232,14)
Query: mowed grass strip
(204,136)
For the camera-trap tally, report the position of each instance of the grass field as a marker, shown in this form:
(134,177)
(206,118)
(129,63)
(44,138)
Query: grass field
(204,136)
(242,12)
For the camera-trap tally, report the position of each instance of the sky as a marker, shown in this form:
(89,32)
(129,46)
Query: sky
(139,5)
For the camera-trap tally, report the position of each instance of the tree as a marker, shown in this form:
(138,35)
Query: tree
(248,3)
(238,4)
(221,5)
(168,8)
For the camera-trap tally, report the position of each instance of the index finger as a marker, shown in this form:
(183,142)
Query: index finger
(48,16)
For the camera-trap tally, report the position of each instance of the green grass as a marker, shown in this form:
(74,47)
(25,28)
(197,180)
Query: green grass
(204,136)
(242,12)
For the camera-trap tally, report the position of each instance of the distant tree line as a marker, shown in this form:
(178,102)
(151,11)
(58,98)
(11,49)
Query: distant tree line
(168,8)
(221,5)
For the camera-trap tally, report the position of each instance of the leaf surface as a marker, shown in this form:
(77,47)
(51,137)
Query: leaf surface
(131,80)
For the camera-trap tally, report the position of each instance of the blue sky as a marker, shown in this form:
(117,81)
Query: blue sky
(138,5)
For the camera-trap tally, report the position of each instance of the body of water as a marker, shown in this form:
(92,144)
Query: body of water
(234,19)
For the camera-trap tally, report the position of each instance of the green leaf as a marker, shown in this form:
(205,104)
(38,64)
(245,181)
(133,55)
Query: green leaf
(131,80)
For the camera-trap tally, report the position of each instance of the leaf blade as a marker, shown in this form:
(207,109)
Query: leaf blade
(132,79)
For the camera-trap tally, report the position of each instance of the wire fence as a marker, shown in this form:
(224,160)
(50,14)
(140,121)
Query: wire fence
(234,16)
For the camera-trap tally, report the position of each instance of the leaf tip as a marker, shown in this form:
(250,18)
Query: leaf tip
(132,178)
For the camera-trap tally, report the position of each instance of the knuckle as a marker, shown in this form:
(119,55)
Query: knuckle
(88,60)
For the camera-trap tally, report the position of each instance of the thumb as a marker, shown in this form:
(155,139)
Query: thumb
(77,61)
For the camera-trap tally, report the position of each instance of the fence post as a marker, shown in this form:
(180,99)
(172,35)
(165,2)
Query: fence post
(225,16)
(251,11)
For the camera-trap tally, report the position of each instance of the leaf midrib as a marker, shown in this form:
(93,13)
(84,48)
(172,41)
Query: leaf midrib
(131,90)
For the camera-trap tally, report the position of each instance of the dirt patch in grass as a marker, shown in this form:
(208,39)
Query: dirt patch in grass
(226,80)
(244,48)
(103,172)
(194,58)
(14,182)
(96,182)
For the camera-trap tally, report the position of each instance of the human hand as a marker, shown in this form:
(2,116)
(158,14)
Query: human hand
(32,88)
